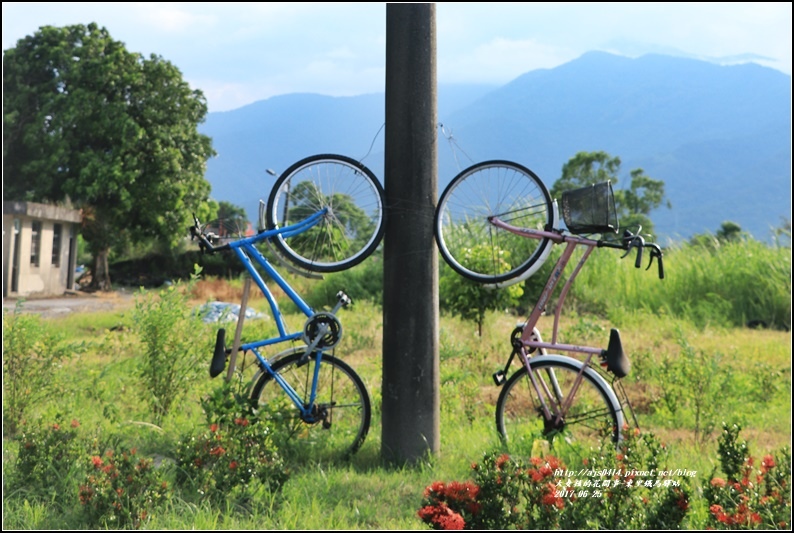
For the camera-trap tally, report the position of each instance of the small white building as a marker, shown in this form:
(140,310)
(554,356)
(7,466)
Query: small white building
(39,248)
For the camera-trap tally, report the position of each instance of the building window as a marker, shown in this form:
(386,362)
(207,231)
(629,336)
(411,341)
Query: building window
(35,243)
(57,231)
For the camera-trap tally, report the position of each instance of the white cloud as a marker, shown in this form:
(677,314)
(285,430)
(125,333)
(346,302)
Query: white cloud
(239,50)
(502,60)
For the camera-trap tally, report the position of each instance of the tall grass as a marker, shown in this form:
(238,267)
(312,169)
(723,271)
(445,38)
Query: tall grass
(735,283)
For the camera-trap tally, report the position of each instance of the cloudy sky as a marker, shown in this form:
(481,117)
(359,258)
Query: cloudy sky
(241,52)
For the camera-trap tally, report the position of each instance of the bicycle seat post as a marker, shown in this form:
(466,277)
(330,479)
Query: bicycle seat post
(239,331)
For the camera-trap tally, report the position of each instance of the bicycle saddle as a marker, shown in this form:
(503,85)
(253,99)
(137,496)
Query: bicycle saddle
(617,361)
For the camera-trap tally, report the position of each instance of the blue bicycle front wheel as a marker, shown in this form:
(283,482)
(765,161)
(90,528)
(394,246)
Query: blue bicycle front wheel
(333,425)
(353,224)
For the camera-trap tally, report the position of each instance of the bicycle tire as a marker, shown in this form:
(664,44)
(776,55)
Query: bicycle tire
(340,391)
(595,414)
(352,228)
(492,188)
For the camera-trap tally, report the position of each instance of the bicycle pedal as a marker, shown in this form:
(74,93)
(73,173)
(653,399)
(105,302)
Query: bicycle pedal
(219,356)
(499,377)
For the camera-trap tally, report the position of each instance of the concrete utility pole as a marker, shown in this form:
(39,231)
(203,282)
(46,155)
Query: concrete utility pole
(410,427)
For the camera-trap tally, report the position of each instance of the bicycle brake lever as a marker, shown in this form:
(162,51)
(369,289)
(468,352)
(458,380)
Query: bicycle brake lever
(656,252)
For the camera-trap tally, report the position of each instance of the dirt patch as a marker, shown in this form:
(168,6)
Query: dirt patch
(71,302)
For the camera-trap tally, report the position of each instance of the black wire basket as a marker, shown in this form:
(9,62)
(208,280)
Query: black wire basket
(590,209)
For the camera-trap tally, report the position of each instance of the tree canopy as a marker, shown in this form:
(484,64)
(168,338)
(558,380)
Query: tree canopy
(633,204)
(113,132)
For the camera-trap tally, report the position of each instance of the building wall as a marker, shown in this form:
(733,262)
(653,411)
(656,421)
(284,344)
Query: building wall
(46,278)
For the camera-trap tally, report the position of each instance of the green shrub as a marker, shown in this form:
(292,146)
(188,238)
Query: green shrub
(687,385)
(470,299)
(31,354)
(122,490)
(233,455)
(171,336)
(362,282)
(48,457)
(750,496)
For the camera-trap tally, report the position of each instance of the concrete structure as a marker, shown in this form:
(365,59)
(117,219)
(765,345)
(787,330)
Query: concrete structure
(39,248)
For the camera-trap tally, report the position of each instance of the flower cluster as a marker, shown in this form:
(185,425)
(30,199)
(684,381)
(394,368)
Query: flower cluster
(47,453)
(450,506)
(506,493)
(121,490)
(749,497)
(509,493)
(234,452)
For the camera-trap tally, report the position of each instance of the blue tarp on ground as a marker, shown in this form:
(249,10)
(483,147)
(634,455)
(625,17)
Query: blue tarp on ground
(225,312)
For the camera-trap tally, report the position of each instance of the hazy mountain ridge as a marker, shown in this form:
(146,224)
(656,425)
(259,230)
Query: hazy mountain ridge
(719,136)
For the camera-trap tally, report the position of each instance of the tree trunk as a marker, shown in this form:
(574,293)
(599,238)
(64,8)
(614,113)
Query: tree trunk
(100,275)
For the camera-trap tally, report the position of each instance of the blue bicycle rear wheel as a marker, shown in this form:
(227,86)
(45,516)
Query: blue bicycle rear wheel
(338,419)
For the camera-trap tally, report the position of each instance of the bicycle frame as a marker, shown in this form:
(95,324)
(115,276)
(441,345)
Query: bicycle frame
(249,256)
(530,340)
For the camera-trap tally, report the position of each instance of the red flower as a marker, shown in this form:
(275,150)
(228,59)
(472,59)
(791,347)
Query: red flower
(554,463)
(241,421)
(437,487)
(233,465)
(682,503)
(75,423)
(535,475)
(441,516)
(56,427)
(767,464)
(217,450)
(501,461)
(214,428)
(718,482)
(536,461)
(97,461)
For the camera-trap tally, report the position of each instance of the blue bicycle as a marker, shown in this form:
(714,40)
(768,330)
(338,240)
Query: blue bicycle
(324,214)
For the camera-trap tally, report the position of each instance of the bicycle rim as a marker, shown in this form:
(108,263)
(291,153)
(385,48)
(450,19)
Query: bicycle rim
(351,229)
(341,409)
(469,243)
(592,420)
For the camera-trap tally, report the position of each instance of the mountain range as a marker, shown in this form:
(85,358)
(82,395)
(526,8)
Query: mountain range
(718,136)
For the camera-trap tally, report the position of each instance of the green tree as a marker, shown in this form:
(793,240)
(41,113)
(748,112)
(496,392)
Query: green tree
(632,205)
(350,226)
(730,231)
(470,299)
(113,132)
(727,232)
(232,218)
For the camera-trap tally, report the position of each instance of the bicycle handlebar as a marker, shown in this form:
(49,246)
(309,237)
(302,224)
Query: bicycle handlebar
(634,240)
(205,239)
